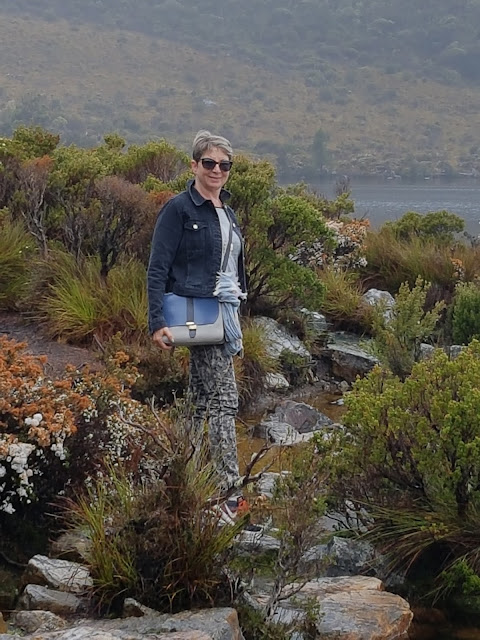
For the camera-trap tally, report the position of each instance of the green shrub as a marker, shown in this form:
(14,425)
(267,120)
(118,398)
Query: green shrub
(441,226)
(415,449)
(398,334)
(466,313)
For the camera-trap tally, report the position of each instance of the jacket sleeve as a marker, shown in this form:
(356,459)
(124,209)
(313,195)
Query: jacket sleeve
(165,242)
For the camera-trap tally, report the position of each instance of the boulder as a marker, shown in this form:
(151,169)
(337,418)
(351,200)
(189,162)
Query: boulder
(292,422)
(376,297)
(278,339)
(37,597)
(58,574)
(351,608)
(347,358)
(36,621)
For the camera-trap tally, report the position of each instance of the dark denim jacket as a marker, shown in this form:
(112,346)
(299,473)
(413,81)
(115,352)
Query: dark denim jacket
(186,251)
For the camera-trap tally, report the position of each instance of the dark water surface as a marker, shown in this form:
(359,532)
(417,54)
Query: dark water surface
(384,200)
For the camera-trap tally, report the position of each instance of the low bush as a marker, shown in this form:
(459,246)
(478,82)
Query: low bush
(414,445)
(55,434)
(399,332)
(466,313)
(392,261)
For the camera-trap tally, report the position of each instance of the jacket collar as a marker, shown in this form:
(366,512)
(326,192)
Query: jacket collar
(199,199)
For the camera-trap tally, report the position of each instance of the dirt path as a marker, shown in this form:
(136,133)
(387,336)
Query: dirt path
(59,355)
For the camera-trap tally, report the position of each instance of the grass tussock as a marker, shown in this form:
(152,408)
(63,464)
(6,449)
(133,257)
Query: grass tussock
(392,261)
(343,299)
(78,302)
(250,371)
(16,253)
(158,541)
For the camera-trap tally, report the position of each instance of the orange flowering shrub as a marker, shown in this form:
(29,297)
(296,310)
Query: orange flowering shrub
(54,434)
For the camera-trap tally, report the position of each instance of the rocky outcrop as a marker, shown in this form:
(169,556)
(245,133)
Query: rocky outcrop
(208,624)
(352,608)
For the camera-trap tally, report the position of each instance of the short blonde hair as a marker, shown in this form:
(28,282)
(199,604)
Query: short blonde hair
(205,140)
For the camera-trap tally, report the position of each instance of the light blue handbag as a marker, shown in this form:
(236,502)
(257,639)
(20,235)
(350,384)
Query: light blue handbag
(196,321)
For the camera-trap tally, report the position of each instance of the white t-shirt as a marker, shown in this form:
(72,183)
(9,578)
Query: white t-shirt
(232,264)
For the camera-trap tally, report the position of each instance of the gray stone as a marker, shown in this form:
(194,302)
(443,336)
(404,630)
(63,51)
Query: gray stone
(207,624)
(348,359)
(342,557)
(278,339)
(426,351)
(317,322)
(352,608)
(37,597)
(377,297)
(58,574)
(291,423)
(455,350)
(35,621)
(276,382)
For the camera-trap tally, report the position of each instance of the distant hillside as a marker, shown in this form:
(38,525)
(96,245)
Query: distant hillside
(379,87)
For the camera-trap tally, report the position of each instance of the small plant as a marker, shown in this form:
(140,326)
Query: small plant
(250,371)
(397,337)
(343,296)
(466,313)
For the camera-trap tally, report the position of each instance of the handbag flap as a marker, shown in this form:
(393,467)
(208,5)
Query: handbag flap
(205,310)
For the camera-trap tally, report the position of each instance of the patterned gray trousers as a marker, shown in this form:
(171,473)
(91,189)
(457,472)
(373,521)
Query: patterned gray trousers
(215,397)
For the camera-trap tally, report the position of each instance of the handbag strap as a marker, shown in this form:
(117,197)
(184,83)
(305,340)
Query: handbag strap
(229,243)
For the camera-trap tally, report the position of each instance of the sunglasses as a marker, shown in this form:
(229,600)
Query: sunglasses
(209,164)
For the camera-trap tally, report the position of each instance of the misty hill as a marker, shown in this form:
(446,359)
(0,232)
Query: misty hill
(388,85)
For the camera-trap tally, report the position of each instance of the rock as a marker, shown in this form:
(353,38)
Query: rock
(35,621)
(134,609)
(37,597)
(258,545)
(375,297)
(364,615)
(292,422)
(207,624)
(71,545)
(455,350)
(426,351)
(317,322)
(276,382)
(353,608)
(278,339)
(348,359)
(63,575)
(342,557)
(266,484)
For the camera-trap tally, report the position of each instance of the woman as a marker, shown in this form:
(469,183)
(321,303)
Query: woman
(189,243)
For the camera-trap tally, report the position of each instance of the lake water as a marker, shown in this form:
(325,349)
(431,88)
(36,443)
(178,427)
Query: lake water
(390,199)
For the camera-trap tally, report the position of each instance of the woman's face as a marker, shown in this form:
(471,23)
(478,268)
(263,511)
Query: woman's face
(211,180)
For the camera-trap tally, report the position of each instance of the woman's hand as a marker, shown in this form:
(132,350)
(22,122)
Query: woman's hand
(164,339)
